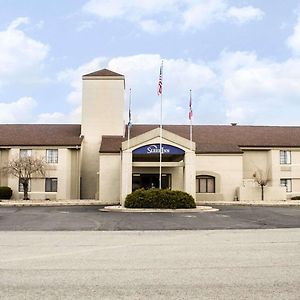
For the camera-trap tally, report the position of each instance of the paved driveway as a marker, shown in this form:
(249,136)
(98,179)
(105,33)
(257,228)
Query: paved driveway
(90,218)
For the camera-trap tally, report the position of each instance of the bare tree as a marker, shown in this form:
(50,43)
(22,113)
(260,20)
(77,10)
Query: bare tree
(24,168)
(262,178)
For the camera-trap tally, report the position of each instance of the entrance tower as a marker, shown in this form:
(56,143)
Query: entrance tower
(102,114)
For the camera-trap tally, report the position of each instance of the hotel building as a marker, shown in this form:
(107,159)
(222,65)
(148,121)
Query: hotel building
(96,160)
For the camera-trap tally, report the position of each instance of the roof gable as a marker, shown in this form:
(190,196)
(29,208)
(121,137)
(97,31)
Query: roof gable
(149,136)
(103,72)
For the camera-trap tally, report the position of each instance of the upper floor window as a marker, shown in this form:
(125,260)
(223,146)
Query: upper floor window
(205,184)
(51,185)
(285,157)
(25,152)
(52,156)
(287,183)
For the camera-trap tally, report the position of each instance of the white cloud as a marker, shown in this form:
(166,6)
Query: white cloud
(253,87)
(141,73)
(85,25)
(19,111)
(293,41)
(17,22)
(57,117)
(245,14)
(180,76)
(152,26)
(128,9)
(19,54)
(202,13)
(150,15)
(239,86)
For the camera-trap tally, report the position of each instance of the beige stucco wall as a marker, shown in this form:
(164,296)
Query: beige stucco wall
(269,161)
(254,194)
(66,171)
(230,170)
(3,162)
(109,178)
(253,160)
(102,114)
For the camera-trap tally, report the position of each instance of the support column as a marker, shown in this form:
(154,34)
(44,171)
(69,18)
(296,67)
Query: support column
(190,173)
(126,176)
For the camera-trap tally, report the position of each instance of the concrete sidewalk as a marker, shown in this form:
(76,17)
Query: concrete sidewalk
(8,203)
(255,203)
(118,208)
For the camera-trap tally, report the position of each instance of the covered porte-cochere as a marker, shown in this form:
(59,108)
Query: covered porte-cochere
(140,166)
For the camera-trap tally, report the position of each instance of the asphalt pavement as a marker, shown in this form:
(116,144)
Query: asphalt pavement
(207,264)
(74,218)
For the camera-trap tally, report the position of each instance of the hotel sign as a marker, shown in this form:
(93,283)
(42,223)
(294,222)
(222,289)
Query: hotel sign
(155,149)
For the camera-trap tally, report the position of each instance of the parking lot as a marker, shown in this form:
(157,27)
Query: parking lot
(90,218)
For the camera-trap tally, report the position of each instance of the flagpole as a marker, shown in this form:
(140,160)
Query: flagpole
(191,121)
(129,119)
(160,92)
(160,142)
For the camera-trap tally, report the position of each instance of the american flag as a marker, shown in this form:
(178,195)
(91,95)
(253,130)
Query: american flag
(190,105)
(129,110)
(129,118)
(159,87)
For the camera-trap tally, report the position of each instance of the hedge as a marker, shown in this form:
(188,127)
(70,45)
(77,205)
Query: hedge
(5,192)
(295,198)
(156,198)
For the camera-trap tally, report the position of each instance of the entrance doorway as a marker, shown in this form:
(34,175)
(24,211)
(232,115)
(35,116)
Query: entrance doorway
(148,181)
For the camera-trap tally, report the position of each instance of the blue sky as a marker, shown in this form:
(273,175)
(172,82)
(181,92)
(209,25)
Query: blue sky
(240,58)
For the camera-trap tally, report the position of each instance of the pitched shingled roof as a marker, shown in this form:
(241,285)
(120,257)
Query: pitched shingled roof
(219,138)
(208,138)
(103,72)
(40,135)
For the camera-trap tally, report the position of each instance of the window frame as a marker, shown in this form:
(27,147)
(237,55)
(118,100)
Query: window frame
(287,183)
(51,159)
(207,178)
(52,185)
(25,153)
(285,157)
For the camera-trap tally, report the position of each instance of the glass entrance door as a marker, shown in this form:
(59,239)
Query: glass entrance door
(148,181)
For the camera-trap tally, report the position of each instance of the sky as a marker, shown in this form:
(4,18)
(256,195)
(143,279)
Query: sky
(240,58)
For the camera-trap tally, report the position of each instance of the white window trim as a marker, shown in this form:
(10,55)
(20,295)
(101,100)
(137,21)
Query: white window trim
(25,153)
(50,161)
(285,157)
(288,184)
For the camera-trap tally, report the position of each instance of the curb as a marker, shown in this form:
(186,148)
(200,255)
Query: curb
(49,204)
(151,210)
(237,203)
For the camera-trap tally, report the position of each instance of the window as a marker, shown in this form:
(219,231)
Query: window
(21,189)
(25,152)
(205,184)
(51,185)
(287,183)
(285,157)
(52,156)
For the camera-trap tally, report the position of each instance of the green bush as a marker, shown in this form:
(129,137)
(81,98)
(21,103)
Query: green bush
(5,192)
(156,198)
